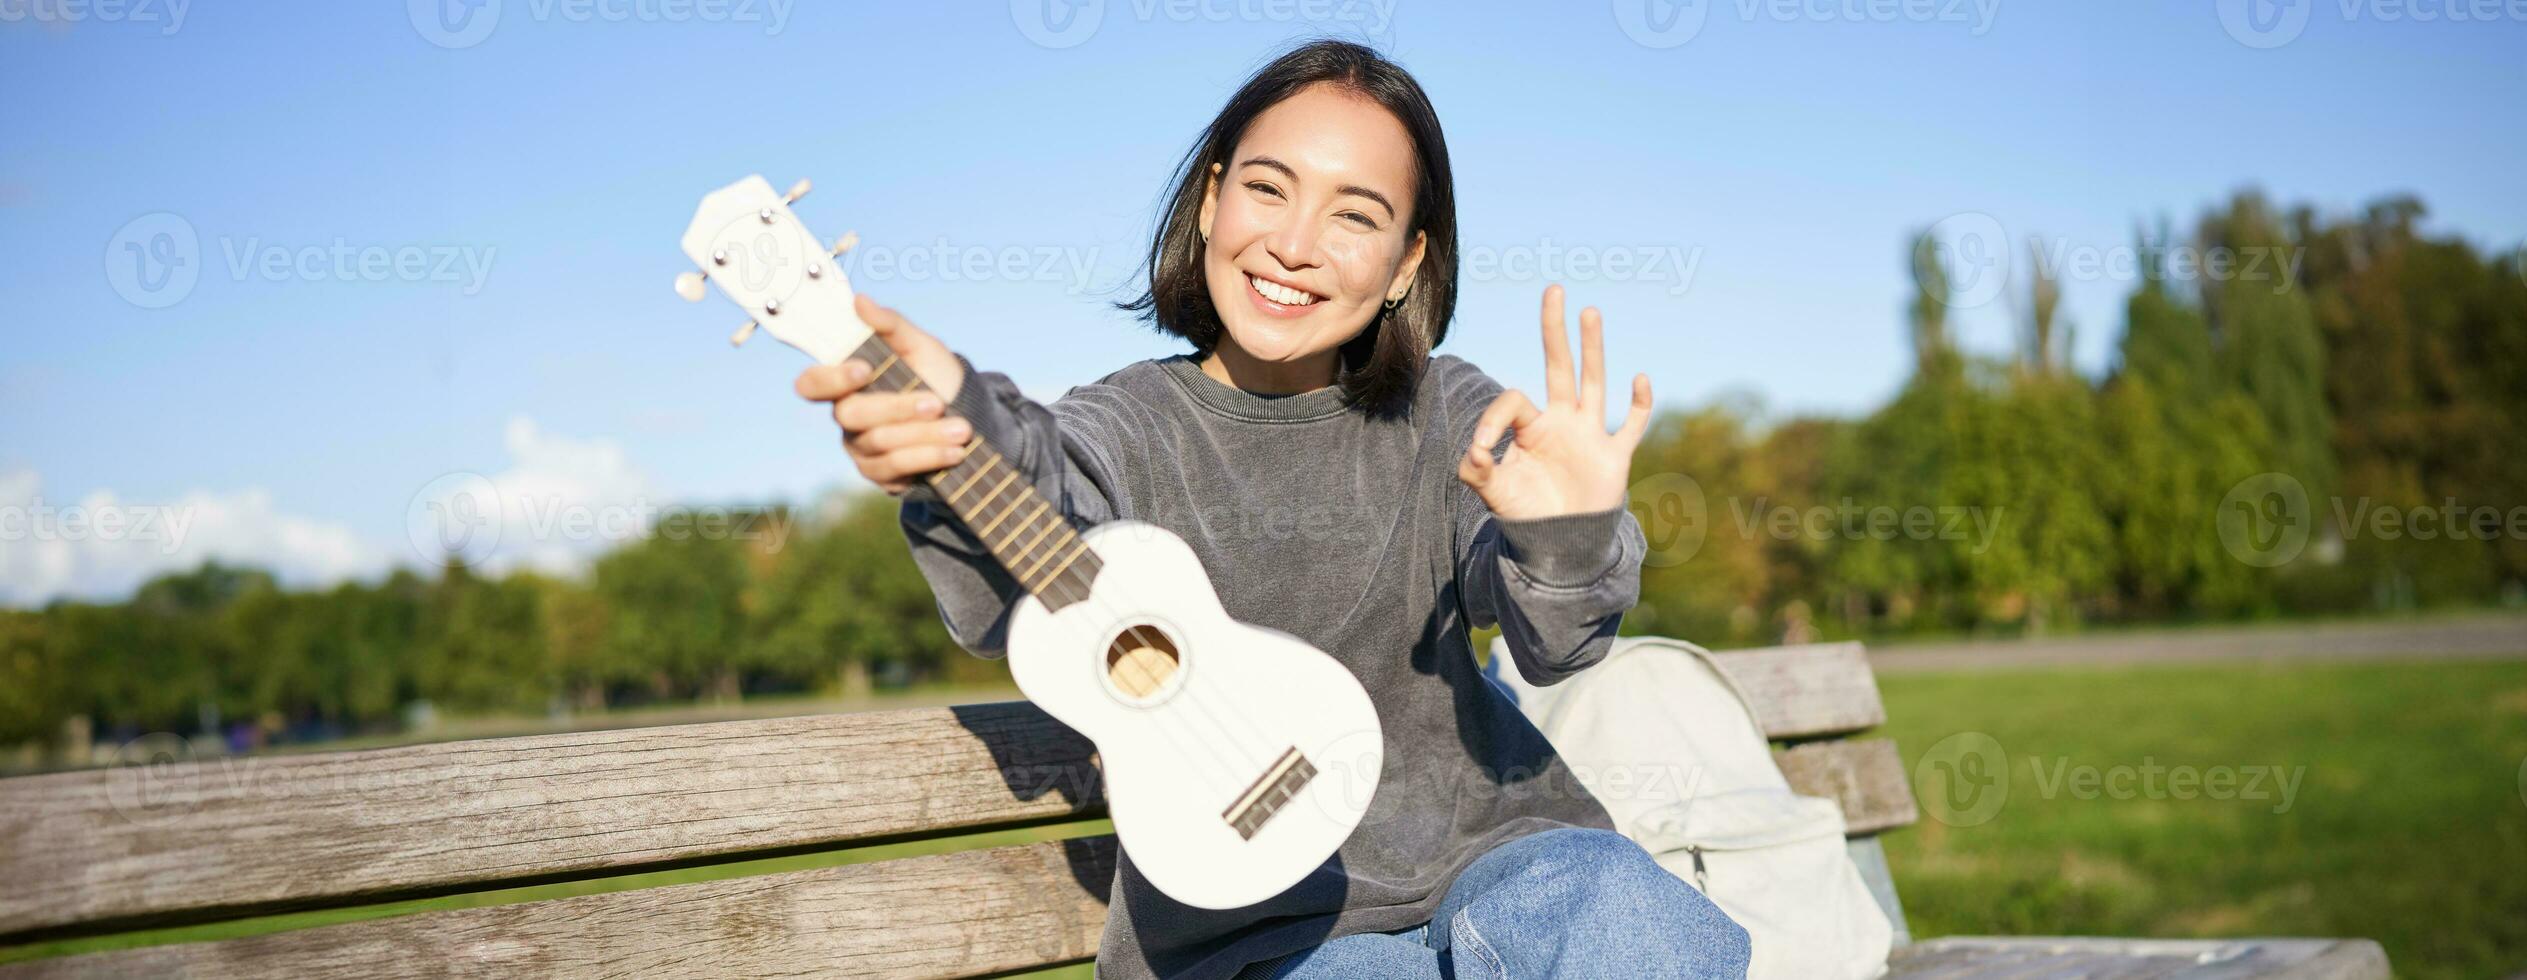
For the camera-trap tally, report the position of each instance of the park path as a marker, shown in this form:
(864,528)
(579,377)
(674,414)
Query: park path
(2469,636)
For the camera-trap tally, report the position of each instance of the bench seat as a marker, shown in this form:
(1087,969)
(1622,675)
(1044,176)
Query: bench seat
(177,842)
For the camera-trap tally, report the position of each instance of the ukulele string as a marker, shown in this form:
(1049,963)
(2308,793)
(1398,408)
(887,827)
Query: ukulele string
(1191,695)
(1185,724)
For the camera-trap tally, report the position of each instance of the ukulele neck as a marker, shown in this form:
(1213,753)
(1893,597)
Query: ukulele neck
(1029,536)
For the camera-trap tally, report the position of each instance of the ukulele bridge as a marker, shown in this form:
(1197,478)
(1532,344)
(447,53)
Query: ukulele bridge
(1283,780)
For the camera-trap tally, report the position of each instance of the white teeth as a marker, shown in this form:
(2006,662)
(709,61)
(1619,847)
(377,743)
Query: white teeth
(1281,294)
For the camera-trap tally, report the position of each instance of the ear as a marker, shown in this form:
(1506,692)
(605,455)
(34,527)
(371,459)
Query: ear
(1210,200)
(1411,266)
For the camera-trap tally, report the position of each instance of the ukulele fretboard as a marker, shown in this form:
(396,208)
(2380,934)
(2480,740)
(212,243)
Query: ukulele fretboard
(1025,532)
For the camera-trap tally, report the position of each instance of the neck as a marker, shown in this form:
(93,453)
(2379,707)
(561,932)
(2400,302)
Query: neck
(1230,365)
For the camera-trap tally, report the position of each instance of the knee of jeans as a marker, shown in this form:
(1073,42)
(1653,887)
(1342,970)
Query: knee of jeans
(1718,933)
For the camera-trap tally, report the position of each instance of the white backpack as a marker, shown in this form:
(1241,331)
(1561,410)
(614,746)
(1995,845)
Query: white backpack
(1663,738)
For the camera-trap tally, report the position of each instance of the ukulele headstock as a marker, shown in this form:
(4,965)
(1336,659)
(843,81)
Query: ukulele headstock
(745,239)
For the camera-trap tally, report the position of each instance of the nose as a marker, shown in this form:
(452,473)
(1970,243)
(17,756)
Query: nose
(1293,244)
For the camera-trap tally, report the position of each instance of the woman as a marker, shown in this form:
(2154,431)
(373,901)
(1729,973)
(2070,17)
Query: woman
(1343,485)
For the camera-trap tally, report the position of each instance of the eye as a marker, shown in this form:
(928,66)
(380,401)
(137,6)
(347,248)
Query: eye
(1261,187)
(1361,219)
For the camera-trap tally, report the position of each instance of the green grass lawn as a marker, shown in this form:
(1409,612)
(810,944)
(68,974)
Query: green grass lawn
(2408,824)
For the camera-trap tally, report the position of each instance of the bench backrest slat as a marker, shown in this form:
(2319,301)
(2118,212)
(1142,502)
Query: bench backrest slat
(134,846)
(137,846)
(960,914)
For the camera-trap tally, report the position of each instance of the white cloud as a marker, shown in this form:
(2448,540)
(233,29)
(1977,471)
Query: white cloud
(559,503)
(102,547)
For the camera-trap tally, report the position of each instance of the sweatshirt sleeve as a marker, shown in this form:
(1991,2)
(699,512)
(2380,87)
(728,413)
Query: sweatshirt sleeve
(1558,586)
(1060,453)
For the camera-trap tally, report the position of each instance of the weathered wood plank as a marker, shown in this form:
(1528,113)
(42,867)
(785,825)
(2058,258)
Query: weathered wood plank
(949,915)
(2037,958)
(190,841)
(1809,690)
(116,848)
(1865,775)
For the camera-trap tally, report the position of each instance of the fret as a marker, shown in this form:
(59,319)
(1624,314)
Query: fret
(1077,549)
(1023,529)
(985,530)
(959,490)
(1045,558)
(994,493)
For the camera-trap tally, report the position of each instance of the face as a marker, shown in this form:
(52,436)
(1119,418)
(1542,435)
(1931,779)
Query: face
(1306,226)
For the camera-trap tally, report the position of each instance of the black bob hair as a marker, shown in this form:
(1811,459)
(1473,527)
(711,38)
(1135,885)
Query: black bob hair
(1381,366)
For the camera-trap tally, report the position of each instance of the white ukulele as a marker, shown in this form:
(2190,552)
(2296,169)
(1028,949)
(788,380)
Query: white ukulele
(1236,758)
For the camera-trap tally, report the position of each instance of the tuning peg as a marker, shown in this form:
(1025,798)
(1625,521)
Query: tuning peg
(743,332)
(844,243)
(689,286)
(797,190)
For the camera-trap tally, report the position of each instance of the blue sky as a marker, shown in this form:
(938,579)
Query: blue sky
(1755,167)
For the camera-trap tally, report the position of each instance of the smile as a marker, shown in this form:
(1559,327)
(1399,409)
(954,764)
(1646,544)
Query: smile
(1280,295)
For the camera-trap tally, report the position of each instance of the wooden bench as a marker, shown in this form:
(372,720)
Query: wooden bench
(113,850)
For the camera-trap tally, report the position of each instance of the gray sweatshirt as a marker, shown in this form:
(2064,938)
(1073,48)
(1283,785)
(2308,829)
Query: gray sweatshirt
(1352,532)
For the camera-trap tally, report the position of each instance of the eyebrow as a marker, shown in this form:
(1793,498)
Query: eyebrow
(1344,189)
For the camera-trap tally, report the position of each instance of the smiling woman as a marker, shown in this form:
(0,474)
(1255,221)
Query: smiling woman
(1308,252)
(1319,197)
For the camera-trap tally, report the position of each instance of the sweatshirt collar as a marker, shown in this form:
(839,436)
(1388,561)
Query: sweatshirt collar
(1238,403)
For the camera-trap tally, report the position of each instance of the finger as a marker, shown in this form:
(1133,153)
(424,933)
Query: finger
(1636,421)
(1511,409)
(899,333)
(870,409)
(829,382)
(1557,349)
(911,462)
(950,431)
(1592,364)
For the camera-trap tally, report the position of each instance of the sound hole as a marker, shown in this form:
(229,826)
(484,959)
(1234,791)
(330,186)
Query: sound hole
(1140,660)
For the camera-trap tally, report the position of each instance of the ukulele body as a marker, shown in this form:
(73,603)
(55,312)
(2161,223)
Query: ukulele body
(1236,758)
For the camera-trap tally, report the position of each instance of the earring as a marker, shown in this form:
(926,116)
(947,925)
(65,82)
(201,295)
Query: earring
(1393,302)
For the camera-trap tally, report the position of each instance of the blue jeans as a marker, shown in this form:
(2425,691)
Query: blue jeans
(1561,903)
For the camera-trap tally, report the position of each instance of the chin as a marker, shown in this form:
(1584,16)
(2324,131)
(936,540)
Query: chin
(1267,344)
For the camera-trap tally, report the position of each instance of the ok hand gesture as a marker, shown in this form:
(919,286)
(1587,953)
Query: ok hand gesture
(1562,460)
